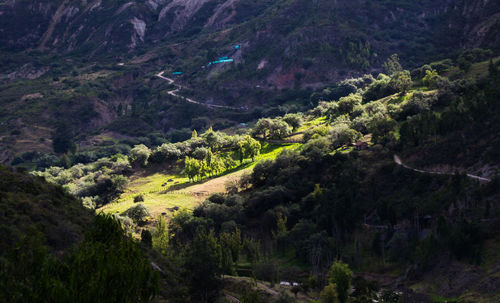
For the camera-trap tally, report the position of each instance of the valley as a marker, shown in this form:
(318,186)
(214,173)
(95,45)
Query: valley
(252,151)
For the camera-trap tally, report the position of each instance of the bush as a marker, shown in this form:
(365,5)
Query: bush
(341,275)
(329,294)
(346,104)
(417,103)
(137,213)
(294,120)
(139,198)
(140,154)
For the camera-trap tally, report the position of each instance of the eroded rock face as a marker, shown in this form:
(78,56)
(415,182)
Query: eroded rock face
(69,25)
(140,31)
(310,30)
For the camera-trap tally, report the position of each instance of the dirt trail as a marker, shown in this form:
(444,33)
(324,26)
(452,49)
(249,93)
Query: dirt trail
(399,162)
(215,185)
(179,87)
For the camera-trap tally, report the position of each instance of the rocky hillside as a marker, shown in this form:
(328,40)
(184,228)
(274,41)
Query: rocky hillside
(283,42)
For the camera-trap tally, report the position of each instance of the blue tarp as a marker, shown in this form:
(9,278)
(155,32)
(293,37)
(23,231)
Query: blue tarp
(221,61)
(177,73)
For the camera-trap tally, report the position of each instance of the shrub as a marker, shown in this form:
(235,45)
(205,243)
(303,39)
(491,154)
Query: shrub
(341,275)
(139,198)
(347,104)
(137,213)
(294,120)
(140,154)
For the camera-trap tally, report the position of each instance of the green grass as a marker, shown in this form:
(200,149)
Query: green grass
(312,123)
(438,299)
(179,192)
(477,70)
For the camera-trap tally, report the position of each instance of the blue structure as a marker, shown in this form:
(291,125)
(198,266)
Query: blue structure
(220,61)
(237,47)
(177,73)
(223,58)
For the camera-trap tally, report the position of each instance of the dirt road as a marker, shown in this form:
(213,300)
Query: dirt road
(179,87)
(399,162)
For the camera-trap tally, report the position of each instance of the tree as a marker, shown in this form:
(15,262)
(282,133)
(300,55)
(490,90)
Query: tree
(203,265)
(194,135)
(279,129)
(262,128)
(62,138)
(200,153)
(160,235)
(400,81)
(340,275)
(65,161)
(192,167)
(346,104)
(212,138)
(87,273)
(140,154)
(431,78)
(343,135)
(137,213)
(165,152)
(392,65)
(248,147)
(329,294)
(294,120)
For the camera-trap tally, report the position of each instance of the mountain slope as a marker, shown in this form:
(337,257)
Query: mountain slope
(283,41)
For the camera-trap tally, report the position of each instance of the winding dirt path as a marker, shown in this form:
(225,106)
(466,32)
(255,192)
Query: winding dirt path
(179,87)
(398,161)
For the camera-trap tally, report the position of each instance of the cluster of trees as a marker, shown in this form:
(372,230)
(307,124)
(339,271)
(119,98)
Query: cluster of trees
(96,183)
(267,128)
(209,165)
(86,273)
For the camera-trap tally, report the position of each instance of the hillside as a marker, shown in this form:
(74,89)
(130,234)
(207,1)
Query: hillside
(376,179)
(83,72)
(31,204)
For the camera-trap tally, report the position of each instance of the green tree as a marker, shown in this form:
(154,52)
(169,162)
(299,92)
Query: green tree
(140,154)
(194,134)
(65,161)
(392,65)
(329,294)
(248,147)
(86,274)
(431,78)
(262,128)
(213,139)
(160,235)
(294,120)
(279,129)
(346,104)
(62,138)
(400,82)
(192,167)
(203,265)
(137,212)
(340,275)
